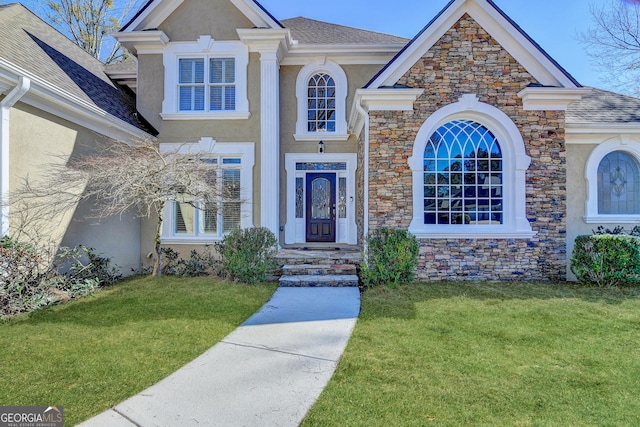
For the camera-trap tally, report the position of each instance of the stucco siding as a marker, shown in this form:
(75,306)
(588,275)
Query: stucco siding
(218,18)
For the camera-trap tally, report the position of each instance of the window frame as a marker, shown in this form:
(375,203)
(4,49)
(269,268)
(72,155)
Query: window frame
(515,162)
(333,70)
(237,150)
(204,48)
(592,215)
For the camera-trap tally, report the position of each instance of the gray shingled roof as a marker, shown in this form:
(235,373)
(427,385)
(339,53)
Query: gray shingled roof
(310,31)
(33,45)
(602,106)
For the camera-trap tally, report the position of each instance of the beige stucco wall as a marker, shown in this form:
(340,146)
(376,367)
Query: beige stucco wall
(38,139)
(193,18)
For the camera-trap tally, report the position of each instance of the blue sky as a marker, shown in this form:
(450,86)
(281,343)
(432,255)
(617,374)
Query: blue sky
(553,24)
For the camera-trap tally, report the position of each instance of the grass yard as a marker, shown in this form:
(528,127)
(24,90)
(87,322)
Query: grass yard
(90,354)
(491,355)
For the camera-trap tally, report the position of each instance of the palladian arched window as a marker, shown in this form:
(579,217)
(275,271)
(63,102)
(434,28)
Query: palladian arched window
(618,184)
(463,175)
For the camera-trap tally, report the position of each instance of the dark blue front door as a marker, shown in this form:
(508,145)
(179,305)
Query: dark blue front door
(321,207)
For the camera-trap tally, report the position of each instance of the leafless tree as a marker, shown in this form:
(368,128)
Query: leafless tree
(139,178)
(613,42)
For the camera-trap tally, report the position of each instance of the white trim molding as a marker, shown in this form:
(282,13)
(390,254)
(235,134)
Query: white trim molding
(624,143)
(391,99)
(515,163)
(204,47)
(346,228)
(321,65)
(551,98)
(143,42)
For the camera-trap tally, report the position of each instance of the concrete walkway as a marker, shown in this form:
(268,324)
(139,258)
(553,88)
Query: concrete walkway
(268,372)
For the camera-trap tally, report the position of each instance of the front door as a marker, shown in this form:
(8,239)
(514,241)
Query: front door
(321,207)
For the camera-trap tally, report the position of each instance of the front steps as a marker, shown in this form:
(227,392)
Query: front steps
(319,268)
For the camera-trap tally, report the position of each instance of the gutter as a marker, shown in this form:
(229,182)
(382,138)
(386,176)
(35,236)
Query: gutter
(23,86)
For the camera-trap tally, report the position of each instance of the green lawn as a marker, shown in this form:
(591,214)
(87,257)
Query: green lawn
(90,354)
(491,355)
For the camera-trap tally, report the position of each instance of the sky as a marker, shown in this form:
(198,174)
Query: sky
(553,24)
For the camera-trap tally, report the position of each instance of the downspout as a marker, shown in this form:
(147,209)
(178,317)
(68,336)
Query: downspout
(23,86)
(365,116)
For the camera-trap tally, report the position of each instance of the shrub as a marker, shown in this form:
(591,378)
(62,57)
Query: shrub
(25,278)
(30,275)
(391,259)
(607,260)
(200,263)
(248,255)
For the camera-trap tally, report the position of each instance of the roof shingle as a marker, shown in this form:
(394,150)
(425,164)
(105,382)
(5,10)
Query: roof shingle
(602,106)
(33,45)
(310,31)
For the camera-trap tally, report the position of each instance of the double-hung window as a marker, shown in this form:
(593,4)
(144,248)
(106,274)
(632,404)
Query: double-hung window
(194,218)
(205,80)
(206,84)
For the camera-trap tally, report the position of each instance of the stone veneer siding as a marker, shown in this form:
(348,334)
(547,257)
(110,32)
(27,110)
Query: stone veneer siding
(466,60)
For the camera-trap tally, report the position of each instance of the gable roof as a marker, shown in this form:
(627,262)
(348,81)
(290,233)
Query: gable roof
(602,106)
(35,48)
(311,31)
(498,24)
(154,12)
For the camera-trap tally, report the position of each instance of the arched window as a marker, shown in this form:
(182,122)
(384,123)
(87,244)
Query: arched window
(463,175)
(469,165)
(321,89)
(321,103)
(618,184)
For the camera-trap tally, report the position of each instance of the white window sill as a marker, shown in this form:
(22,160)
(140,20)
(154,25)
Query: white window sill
(612,219)
(231,115)
(190,240)
(324,136)
(471,233)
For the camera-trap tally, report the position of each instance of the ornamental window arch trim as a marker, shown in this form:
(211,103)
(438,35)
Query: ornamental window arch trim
(619,143)
(339,77)
(514,166)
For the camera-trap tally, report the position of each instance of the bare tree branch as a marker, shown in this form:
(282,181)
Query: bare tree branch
(613,43)
(138,178)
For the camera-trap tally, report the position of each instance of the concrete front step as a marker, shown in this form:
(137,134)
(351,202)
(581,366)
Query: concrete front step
(300,256)
(319,269)
(310,280)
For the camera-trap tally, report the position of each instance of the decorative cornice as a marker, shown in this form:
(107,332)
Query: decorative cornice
(550,98)
(143,42)
(391,99)
(263,40)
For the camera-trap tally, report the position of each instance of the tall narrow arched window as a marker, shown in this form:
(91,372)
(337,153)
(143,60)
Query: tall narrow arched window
(321,99)
(463,175)
(321,91)
(618,184)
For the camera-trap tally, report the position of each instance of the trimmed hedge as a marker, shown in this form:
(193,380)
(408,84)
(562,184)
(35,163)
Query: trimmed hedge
(607,260)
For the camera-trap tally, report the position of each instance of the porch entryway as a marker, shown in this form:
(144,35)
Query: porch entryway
(320,199)
(319,268)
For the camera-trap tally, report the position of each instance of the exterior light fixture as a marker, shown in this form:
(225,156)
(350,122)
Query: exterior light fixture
(321,147)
